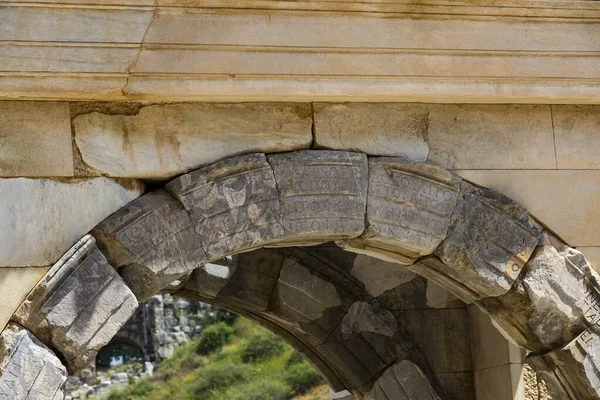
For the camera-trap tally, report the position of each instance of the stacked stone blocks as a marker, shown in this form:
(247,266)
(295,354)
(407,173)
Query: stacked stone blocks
(472,241)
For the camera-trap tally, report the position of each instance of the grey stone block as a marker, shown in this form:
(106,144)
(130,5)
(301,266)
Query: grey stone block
(79,305)
(553,302)
(152,241)
(403,381)
(408,209)
(233,204)
(323,194)
(489,241)
(28,369)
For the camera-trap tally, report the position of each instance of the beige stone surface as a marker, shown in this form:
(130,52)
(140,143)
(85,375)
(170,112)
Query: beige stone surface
(378,275)
(390,129)
(592,254)
(15,285)
(165,140)
(568,202)
(491,137)
(35,139)
(577,132)
(74,24)
(42,218)
(499,383)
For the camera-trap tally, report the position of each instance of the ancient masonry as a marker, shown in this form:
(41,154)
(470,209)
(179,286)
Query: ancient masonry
(474,242)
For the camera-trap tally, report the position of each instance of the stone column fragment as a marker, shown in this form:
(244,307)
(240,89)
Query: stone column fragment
(79,305)
(233,204)
(489,241)
(152,241)
(323,195)
(554,300)
(28,369)
(408,209)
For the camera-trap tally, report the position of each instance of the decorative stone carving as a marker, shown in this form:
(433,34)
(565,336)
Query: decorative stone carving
(403,381)
(489,241)
(153,242)
(408,209)
(79,305)
(322,193)
(553,301)
(233,204)
(28,369)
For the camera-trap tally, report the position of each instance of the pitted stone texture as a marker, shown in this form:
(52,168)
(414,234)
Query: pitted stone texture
(403,381)
(233,204)
(42,218)
(79,305)
(572,372)
(408,209)
(164,140)
(152,240)
(28,369)
(554,300)
(489,241)
(323,194)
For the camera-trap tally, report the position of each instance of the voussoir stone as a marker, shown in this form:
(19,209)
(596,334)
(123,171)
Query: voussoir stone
(572,372)
(152,241)
(233,204)
(489,240)
(553,301)
(408,209)
(28,369)
(164,140)
(78,306)
(210,278)
(403,381)
(42,218)
(322,193)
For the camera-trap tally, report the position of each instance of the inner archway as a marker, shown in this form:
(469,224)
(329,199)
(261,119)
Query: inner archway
(473,242)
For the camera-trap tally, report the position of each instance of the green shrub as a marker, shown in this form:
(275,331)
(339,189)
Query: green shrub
(294,358)
(214,337)
(261,345)
(301,377)
(272,389)
(215,377)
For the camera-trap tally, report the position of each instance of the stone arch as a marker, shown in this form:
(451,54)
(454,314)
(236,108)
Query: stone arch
(474,242)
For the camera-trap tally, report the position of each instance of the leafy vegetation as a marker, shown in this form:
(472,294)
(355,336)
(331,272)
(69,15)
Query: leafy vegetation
(239,362)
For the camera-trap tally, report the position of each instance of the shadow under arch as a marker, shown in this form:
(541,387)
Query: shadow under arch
(474,242)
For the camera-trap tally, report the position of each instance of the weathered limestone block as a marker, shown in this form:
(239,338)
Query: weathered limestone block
(403,381)
(382,129)
(554,300)
(572,372)
(363,344)
(251,284)
(378,275)
(233,204)
(211,277)
(323,194)
(79,305)
(42,218)
(164,140)
(28,369)
(35,138)
(152,241)
(408,209)
(489,241)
